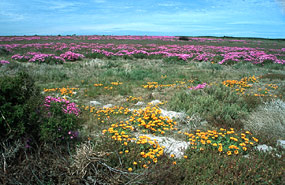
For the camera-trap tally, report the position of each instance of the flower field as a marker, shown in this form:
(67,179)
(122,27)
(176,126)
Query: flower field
(141,110)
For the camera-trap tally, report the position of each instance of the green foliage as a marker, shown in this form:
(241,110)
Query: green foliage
(214,103)
(95,55)
(3,51)
(272,76)
(20,100)
(50,60)
(59,126)
(173,60)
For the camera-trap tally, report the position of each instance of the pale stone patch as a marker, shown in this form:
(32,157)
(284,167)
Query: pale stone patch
(172,114)
(95,103)
(155,102)
(108,106)
(139,103)
(172,146)
(264,148)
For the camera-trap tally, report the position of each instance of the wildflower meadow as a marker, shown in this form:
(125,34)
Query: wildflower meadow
(141,110)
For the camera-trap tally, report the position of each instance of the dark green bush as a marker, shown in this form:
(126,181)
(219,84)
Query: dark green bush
(20,103)
(185,38)
(4,51)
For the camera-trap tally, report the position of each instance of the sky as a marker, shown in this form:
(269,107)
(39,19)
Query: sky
(238,18)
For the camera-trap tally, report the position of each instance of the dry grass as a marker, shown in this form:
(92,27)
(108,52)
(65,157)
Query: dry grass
(268,120)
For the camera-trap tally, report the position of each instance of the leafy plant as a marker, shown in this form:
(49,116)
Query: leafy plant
(20,101)
(61,121)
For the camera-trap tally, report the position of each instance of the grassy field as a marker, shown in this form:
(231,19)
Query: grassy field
(220,110)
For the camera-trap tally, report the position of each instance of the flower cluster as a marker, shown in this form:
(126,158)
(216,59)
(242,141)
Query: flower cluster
(149,119)
(177,84)
(147,150)
(241,86)
(71,56)
(108,87)
(73,134)
(133,99)
(218,54)
(199,86)
(4,62)
(223,140)
(67,106)
(64,91)
(103,114)
(39,58)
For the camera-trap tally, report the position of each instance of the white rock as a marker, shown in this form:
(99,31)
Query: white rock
(108,106)
(281,143)
(264,148)
(172,146)
(139,103)
(155,102)
(95,103)
(173,114)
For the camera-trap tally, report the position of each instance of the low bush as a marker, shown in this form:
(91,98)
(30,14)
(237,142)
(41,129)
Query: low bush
(217,104)
(4,51)
(60,121)
(268,120)
(20,101)
(71,56)
(185,38)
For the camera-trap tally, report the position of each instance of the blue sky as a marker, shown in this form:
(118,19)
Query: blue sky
(242,18)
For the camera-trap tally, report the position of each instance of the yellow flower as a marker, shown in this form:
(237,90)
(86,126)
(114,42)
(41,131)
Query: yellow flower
(130,169)
(244,148)
(229,153)
(172,155)
(127,151)
(135,163)
(185,156)
(236,152)
(220,148)
(174,163)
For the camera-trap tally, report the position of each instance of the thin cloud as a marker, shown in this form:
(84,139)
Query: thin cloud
(282,5)
(99,1)
(60,5)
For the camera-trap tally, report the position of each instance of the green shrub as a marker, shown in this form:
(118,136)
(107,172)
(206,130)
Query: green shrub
(19,107)
(216,104)
(4,51)
(61,120)
(185,38)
